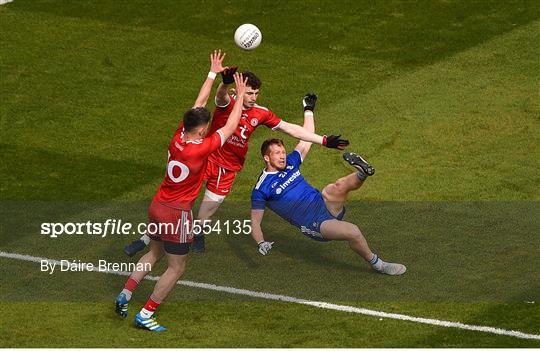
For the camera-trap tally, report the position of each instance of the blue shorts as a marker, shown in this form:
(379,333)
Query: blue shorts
(312,226)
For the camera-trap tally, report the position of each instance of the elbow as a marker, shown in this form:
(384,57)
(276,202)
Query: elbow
(302,134)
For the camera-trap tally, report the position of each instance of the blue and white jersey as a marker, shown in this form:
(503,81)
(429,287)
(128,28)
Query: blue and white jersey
(287,193)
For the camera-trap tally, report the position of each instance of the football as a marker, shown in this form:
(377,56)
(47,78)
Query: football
(247,37)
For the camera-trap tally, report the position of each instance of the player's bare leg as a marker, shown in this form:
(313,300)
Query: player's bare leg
(175,269)
(154,255)
(208,208)
(147,262)
(335,194)
(340,230)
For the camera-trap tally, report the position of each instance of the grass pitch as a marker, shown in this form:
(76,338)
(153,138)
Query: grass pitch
(442,97)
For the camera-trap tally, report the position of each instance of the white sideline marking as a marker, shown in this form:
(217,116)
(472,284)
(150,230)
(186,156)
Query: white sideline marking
(2,2)
(319,304)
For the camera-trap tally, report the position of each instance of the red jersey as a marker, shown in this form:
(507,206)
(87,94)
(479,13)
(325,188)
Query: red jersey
(233,153)
(185,169)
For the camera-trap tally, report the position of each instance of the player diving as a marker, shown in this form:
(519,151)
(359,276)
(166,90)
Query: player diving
(318,214)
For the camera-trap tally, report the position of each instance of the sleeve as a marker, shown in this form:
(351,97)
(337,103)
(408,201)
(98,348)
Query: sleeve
(221,114)
(271,120)
(258,200)
(294,158)
(212,143)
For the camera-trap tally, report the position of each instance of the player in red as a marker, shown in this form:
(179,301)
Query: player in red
(226,162)
(170,217)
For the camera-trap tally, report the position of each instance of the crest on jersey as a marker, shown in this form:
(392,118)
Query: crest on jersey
(274,185)
(254,122)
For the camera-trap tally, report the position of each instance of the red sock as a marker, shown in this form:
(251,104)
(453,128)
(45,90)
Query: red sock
(150,307)
(131,284)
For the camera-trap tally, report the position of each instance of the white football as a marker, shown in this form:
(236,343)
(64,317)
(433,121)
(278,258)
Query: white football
(247,37)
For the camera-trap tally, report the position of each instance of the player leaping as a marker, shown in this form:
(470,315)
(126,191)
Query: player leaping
(282,188)
(226,162)
(188,154)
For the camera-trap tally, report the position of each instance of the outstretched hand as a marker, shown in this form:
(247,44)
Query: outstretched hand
(335,142)
(228,74)
(216,61)
(309,101)
(240,84)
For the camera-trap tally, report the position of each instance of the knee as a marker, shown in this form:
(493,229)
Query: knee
(354,233)
(178,269)
(327,191)
(156,256)
(332,190)
(340,183)
(152,257)
(338,188)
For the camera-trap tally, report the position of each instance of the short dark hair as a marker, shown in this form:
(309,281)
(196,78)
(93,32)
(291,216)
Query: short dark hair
(196,117)
(268,142)
(252,80)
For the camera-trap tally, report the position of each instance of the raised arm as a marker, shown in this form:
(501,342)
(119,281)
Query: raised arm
(222,94)
(308,101)
(257,234)
(232,122)
(216,60)
(296,131)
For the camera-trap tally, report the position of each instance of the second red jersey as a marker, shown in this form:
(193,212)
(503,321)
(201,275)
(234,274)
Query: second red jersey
(233,153)
(185,169)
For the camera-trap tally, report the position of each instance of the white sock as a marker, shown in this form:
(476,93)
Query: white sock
(127,293)
(146,239)
(145,313)
(376,262)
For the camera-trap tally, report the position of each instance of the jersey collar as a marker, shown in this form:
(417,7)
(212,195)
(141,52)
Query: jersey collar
(266,172)
(196,141)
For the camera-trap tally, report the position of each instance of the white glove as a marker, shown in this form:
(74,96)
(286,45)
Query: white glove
(265,247)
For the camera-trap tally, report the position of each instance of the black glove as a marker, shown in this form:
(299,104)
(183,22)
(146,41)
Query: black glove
(228,75)
(309,101)
(335,142)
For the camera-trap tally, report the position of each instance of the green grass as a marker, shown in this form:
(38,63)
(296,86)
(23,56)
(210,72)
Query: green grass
(229,324)
(441,96)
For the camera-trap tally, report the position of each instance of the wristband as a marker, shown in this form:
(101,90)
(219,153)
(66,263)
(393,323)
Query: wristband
(212,75)
(324,140)
(308,113)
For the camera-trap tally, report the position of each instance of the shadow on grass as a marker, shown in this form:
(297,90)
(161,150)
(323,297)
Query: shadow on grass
(406,33)
(32,174)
